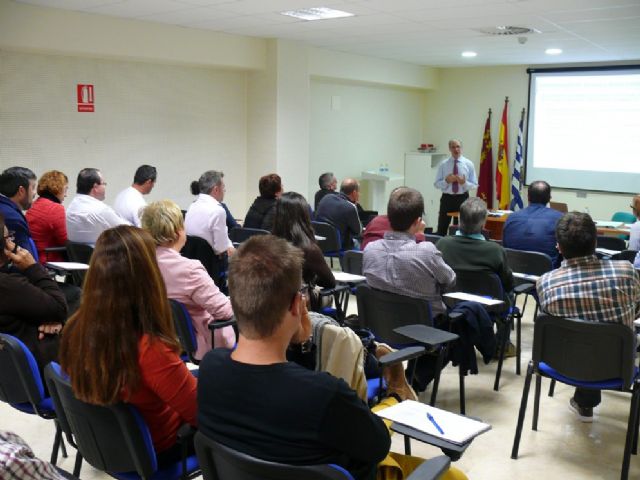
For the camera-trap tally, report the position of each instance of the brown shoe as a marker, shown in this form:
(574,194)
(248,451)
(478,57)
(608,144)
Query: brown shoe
(394,376)
(509,351)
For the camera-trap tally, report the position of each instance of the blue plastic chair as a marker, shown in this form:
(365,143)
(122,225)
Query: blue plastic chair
(114,438)
(21,386)
(331,246)
(625,217)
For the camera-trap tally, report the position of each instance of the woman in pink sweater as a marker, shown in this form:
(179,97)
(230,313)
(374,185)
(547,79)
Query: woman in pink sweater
(187,280)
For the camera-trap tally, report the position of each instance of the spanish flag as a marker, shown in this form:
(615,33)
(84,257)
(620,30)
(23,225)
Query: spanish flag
(485,182)
(502,168)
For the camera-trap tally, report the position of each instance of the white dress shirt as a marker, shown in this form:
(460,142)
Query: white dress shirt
(207,219)
(88,217)
(465,168)
(129,204)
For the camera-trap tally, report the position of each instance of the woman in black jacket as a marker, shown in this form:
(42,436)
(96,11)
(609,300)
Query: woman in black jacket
(32,306)
(262,210)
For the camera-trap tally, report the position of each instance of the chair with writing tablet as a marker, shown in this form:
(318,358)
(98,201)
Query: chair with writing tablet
(628,255)
(611,243)
(595,355)
(527,263)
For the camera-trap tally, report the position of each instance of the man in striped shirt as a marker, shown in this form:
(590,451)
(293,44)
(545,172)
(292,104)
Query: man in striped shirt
(587,288)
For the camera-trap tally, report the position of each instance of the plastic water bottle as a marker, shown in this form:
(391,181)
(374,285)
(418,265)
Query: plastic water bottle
(381,168)
(386,168)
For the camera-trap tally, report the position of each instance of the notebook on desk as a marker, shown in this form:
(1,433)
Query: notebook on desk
(448,426)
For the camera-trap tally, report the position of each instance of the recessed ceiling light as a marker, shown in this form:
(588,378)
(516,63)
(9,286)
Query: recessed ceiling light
(469,54)
(317,13)
(553,51)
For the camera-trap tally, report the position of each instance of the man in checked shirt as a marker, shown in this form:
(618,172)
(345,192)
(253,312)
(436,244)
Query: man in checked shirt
(587,288)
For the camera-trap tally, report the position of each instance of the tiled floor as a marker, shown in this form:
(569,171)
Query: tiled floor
(562,447)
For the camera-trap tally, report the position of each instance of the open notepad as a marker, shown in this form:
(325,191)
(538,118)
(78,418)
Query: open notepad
(457,429)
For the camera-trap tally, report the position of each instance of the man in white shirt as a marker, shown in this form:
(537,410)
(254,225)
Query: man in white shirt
(88,216)
(206,218)
(130,202)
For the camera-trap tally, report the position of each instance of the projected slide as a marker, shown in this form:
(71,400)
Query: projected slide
(584,129)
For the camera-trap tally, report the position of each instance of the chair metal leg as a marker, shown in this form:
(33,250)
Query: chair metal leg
(436,378)
(462,400)
(78,465)
(521,413)
(552,387)
(56,443)
(536,403)
(407,445)
(503,345)
(631,431)
(636,432)
(518,342)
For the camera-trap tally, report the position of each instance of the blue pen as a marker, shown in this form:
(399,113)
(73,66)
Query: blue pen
(435,424)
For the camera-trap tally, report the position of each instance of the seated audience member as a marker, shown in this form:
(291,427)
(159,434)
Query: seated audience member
(187,280)
(376,229)
(17,189)
(32,306)
(46,217)
(262,210)
(124,327)
(329,423)
(130,201)
(588,288)
(634,235)
(400,265)
(328,184)
(206,218)
(88,216)
(534,228)
(340,211)
(17,460)
(231,221)
(293,223)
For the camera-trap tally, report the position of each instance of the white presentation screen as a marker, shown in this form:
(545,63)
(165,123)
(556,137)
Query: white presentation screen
(584,129)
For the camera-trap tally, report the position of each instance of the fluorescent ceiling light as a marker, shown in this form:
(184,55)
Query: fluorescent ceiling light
(317,13)
(553,51)
(469,54)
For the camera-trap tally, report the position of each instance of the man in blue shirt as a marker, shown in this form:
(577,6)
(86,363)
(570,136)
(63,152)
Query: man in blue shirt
(534,228)
(17,189)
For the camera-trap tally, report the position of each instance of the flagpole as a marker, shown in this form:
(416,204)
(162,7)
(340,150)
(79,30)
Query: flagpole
(524,167)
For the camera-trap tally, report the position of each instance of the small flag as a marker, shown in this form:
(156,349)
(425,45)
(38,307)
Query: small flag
(485,183)
(502,167)
(516,177)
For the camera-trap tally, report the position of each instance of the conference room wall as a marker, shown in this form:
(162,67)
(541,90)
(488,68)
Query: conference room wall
(184,120)
(458,108)
(356,127)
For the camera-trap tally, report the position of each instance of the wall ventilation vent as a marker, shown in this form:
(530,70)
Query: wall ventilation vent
(504,30)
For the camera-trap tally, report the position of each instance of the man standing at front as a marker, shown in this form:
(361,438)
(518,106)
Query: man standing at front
(587,288)
(88,216)
(534,228)
(455,177)
(129,202)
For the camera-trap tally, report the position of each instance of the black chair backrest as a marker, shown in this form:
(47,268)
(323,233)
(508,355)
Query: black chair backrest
(111,438)
(240,234)
(531,263)
(629,255)
(432,237)
(331,242)
(612,243)
(184,328)
(382,312)
(219,462)
(198,248)
(20,380)
(585,351)
(367,216)
(352,262)
(479,283)
(78,252)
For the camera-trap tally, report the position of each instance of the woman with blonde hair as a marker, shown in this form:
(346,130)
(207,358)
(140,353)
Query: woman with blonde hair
(46,217)
(187,280)
(121,344)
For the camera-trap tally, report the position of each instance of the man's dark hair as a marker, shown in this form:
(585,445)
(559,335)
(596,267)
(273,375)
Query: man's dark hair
(348,186)
(87,178)
(325,180)
(576,234)
(144,173)
(13,178)
(539,192)
(473,215)
(404,207)
(269,185)
(265,274)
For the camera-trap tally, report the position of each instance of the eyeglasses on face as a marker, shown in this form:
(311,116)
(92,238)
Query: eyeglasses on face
(10,236)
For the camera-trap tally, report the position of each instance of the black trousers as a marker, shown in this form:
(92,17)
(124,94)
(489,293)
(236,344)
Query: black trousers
(449,203)
(587,398)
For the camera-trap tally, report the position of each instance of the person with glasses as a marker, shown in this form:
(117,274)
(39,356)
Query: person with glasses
(32,306)
(88,216)
(634,234)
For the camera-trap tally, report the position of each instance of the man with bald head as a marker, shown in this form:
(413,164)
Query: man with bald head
(534,228)
(341,212)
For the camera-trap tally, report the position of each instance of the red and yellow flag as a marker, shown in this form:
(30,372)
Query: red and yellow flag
(485,183)
(502,167)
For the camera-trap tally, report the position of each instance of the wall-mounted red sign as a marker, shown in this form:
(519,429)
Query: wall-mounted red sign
(85,98)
